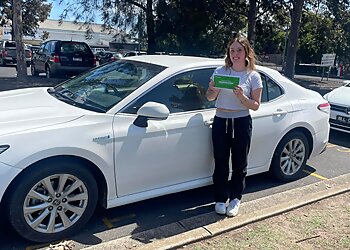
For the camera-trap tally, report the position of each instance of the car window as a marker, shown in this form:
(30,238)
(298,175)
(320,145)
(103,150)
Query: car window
(10,45)
(107,85)
(181,93)
(75,47)
(271,90)
(47,48)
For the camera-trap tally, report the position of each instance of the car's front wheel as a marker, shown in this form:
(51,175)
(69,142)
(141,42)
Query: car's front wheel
(290,156)
(33,70)
(52,201)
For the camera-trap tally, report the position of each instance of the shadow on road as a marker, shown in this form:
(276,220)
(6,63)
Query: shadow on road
(9,83)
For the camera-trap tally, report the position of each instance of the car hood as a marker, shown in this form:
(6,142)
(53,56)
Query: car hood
(339,95)
(33,108)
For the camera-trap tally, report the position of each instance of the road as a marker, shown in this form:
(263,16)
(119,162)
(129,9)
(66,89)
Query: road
(125,220)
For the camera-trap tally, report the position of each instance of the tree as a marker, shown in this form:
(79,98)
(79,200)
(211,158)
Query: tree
(123,14)
(192,27)
(33,12)
(292,47)
(18,31)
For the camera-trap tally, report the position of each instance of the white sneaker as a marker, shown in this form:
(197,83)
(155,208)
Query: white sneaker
(220,208)
(233,206)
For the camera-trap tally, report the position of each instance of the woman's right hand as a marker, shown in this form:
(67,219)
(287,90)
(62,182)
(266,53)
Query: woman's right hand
(212,87)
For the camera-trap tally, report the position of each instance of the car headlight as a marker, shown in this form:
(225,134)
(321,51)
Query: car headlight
(3,148)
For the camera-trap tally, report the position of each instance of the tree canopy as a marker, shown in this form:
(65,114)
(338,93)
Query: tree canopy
(33,12)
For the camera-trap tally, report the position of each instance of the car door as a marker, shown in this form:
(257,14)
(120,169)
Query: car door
(41,57)
(174,151)
(269,123)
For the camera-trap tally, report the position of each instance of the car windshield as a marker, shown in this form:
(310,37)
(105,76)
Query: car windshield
(74,47)
(102,88)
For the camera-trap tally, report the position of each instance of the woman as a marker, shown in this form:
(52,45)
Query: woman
(232,126)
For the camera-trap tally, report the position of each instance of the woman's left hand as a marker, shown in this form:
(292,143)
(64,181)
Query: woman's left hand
(238,92)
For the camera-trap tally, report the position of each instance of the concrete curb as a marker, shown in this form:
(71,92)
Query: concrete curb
(207,225)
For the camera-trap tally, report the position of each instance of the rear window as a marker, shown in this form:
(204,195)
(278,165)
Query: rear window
(74,47)
(10,45)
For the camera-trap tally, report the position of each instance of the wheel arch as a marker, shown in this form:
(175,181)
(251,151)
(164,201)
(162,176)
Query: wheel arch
(92,168)
(305,132)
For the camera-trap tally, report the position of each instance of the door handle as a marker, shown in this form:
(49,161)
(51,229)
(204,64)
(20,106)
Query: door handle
(209,123)
(280,112)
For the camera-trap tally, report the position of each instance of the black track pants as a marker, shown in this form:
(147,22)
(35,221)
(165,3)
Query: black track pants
(230,136)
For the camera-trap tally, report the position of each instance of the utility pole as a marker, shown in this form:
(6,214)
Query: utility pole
(18,32)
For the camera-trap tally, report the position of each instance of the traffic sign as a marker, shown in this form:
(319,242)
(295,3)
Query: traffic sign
(328,60)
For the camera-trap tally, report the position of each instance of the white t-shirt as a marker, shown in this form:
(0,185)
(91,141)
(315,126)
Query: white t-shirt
(249,81)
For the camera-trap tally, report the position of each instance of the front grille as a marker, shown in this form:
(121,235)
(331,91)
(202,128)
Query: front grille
(339,108)
(340,125)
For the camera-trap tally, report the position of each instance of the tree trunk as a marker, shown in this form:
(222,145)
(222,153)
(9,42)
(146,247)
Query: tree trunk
(151,38)
(18,32)
(293,38)
(251,21)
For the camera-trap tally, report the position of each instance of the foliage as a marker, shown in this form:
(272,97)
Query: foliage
(192,27)
(33,12)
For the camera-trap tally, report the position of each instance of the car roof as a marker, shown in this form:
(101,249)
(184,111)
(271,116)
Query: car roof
(185,61)
(172,61)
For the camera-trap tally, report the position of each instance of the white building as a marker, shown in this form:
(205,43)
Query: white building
(67,30)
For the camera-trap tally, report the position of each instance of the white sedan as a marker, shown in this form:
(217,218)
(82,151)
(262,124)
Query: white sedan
(135,129)
(339,100)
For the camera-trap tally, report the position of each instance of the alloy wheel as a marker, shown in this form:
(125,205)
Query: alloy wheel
(55,203)
(292,157)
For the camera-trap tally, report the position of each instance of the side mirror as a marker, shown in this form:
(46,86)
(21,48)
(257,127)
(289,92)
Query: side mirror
(346,83)
(151,111)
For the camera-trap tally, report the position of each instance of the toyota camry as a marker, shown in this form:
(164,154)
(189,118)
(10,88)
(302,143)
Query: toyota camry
(134,129)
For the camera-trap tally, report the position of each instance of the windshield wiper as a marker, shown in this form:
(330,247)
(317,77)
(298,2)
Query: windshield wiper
(69,100)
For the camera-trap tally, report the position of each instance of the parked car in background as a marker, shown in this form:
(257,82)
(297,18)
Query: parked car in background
(34,49)
(132,130)
(110,57)
(96,50)
(8,54)
(339,100)
(135,53)
(58,57)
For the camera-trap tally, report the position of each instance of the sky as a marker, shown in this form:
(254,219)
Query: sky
(57,10)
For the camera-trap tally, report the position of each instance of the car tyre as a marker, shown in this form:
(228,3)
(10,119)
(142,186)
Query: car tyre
(33,71)
(48,72)
(290,156)
(52,200)
(3,63)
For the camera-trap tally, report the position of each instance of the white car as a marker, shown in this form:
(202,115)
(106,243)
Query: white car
(135,129)
(339,100)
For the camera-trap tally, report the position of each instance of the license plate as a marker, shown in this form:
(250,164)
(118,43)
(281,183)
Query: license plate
(343,119)
(77,59)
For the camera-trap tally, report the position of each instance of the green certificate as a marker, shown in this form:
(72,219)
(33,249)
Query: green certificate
(226,82)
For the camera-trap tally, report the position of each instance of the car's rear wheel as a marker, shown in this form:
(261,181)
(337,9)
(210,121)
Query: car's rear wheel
(290,156)
(48,72)
(52,201)
(33,71)
(3,63)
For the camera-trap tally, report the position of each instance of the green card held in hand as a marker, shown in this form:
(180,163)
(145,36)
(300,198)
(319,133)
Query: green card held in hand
(226,82)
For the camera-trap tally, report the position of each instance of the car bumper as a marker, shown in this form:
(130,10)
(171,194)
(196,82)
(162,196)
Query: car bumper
(7,174)
(340,118)
(14,60)
(57,69)
(320,142)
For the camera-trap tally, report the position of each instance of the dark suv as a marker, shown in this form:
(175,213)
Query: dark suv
(57,57)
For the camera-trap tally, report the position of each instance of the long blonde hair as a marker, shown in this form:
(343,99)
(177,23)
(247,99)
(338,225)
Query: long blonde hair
(249,52)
